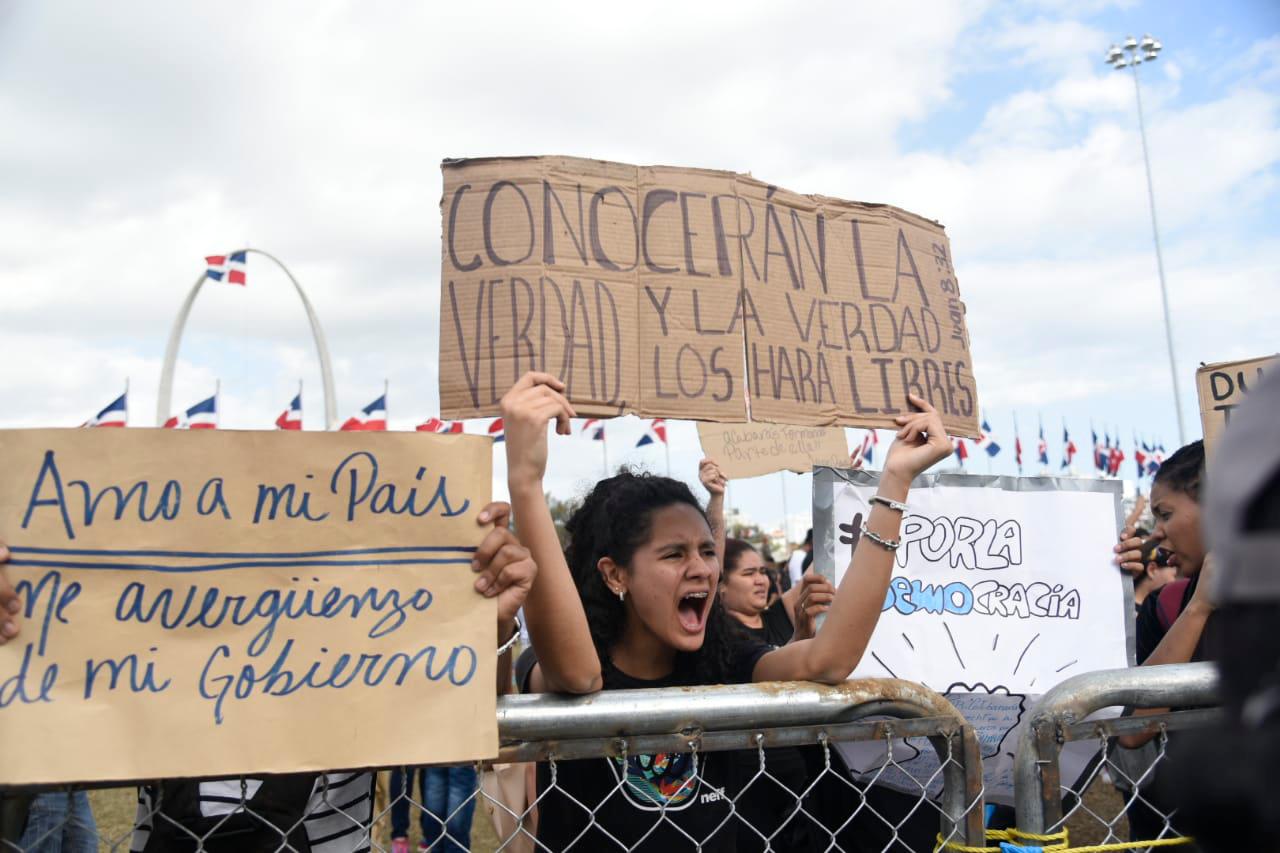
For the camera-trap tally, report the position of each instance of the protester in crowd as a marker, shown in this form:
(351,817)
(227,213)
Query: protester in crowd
(800,558)
(770,802)
(330,813)
(445,812)
(1173,625)
(631,603)
(744,591)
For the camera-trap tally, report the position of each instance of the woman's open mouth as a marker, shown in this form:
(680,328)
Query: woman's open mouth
(692,611)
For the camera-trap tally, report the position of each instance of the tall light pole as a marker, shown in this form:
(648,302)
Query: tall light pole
(1132,54)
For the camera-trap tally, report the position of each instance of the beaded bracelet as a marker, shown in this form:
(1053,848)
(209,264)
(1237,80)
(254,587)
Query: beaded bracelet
(887,544)
(891,504)
(515,636)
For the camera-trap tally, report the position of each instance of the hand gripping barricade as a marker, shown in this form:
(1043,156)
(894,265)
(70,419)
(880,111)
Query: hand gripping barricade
(754,720)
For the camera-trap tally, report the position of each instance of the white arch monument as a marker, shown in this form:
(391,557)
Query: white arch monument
(175,341)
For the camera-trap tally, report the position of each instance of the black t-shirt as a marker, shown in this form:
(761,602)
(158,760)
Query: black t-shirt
(1148,632)
(777,628)
(649,802)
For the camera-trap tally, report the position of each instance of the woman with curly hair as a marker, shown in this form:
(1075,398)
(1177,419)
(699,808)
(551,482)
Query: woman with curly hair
(632,603)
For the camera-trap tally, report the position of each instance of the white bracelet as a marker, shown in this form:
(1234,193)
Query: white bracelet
(887,544)
(891,504)
(515,636)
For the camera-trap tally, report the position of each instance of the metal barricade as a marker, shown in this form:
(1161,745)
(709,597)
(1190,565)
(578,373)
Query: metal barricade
(343,812)
(1047,803)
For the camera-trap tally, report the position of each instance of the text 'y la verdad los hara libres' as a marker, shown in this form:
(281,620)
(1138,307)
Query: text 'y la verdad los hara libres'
(685,292)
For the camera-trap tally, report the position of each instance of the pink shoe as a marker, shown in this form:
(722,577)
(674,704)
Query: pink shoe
(399,845)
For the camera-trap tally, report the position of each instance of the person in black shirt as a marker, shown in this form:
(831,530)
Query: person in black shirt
(769,802)
(744,591)
(632,602)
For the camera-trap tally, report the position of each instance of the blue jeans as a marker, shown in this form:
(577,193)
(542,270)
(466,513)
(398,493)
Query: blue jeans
(448,794)
(60,822)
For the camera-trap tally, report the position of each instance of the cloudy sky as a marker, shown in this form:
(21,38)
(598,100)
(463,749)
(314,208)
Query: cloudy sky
(139,137)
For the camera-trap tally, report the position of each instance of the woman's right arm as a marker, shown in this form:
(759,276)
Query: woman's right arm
(567,660)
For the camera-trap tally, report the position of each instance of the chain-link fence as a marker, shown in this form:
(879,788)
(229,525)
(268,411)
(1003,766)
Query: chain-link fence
(1049,803)
(744,767)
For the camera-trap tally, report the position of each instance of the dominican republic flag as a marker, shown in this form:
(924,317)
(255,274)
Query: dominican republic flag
(291,418)
(962,451)
(203,415)
(1099,452)
(1042,447)
(497,431)
(226,268)
(1140,452)
(868,451)
(655,432)
(1115,458)
(114,415)
(1069,448)
(593,429)
(437,425)
(372,417)
(1156,460)
(1017,449)
(986,441)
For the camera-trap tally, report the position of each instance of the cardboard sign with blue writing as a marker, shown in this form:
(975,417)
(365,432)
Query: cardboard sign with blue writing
(643,288)
(217,603)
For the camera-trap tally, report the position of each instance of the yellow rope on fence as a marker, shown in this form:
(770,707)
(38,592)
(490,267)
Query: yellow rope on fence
(1058,841)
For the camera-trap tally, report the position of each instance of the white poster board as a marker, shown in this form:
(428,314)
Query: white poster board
(1002,588)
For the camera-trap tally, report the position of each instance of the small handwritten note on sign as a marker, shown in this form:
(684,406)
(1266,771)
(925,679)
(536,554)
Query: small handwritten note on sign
(749,450)
(204,603)
(642,287)
(1223,386)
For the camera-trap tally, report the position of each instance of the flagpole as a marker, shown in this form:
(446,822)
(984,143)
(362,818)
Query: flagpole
(1017,443)
(217,410)
(126,401)
(386,386)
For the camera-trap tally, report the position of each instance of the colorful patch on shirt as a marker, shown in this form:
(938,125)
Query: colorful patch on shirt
(665,780)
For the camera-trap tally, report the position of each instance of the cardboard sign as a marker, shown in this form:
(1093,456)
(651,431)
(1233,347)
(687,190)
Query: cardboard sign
(210,603)
(749,450)
(1221,387)
(1002,588)
(642,287)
